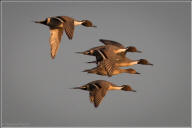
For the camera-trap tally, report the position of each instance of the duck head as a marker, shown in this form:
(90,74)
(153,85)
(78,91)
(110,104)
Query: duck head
(87,23)
(127,88)
(131,71)
(132,49)
(144,62)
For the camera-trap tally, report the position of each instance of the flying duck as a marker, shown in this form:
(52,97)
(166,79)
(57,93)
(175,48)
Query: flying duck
(110,66)
(98,89)
(115,47)
(101,70)
(59,23)
(118,60)
(122,48)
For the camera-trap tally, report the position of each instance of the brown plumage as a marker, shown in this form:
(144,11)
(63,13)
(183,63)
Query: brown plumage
(59,24)
(118,60)
(100,70)
(109,67)
(98,89)
(111,46)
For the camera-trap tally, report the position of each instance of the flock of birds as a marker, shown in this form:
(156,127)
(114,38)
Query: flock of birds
(110,57)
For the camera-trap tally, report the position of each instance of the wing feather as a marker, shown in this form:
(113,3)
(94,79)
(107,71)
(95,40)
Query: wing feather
(109,66)
(54,40)
(69,28)
(106,63)
(110,42)
(98,96)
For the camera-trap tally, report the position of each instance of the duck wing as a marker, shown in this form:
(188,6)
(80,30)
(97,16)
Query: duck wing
(54,40)
(69,29)
(97,94)
(108,66)
(105,62)
(68,26)
(110,42)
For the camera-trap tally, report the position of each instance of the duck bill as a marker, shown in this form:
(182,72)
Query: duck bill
(139,51)
(150,64)
(84,53)
(137,73)
(80,53)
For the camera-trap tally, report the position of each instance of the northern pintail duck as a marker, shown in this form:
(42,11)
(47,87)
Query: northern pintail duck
(98,89)
(59,23)
(111,66)
(121,48)
(101,70)
(128,62)
(115,47)
(118,60)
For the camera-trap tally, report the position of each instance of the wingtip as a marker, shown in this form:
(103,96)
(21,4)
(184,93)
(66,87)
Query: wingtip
(96,106)
(53,57)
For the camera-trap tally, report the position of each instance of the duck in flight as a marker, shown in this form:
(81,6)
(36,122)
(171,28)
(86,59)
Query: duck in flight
(114,47)
(57,25)
(119,60)
(98,89)
(110,66)
(101,70)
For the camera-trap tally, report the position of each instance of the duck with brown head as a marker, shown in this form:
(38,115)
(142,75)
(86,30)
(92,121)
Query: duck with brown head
(98,89)
(57,25)
(100,70)
(111,48)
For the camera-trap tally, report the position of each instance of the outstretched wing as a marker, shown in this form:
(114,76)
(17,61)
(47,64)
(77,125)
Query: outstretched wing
(69,29)
(98,98)
(68,25)
(54,40)
(110,42)
(97,94)
(106,63)
(108,66)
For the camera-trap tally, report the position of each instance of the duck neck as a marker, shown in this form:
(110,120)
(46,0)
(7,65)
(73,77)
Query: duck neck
(76,23)
(123,70)
(115,87)
(133,62)
(122,50)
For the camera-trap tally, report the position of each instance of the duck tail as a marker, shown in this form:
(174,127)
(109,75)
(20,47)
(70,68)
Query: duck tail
(89,71)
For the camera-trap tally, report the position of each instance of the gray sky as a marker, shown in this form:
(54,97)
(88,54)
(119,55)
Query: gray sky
(36,88)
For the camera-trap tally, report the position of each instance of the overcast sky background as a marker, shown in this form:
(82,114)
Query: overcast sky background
(36,88)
